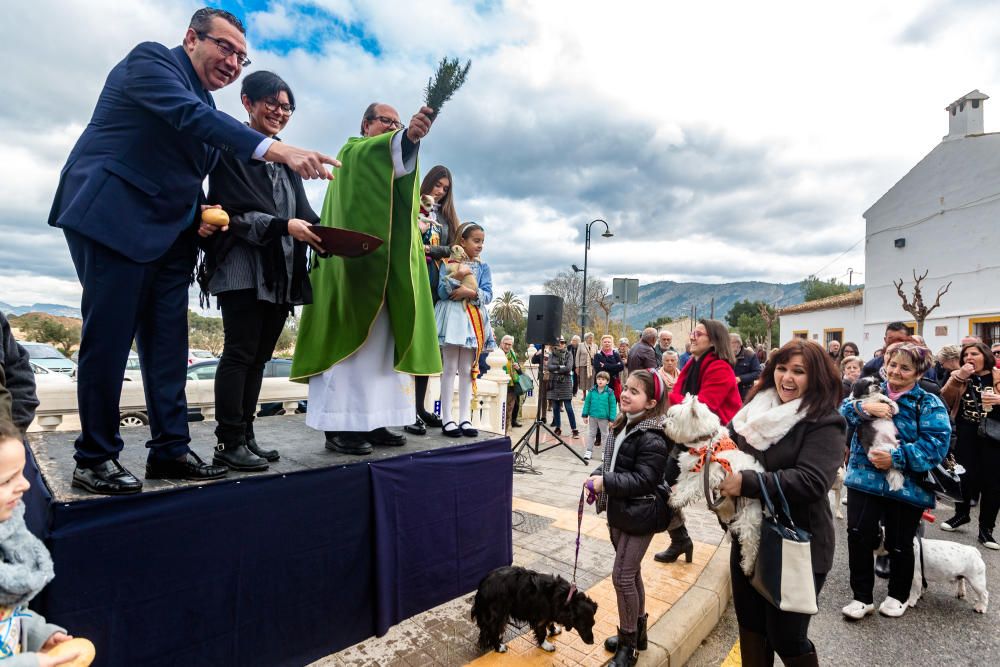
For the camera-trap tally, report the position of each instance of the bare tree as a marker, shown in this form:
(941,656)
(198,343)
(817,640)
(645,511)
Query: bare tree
(569,285)
(602,299)
(917,307)
(770,316)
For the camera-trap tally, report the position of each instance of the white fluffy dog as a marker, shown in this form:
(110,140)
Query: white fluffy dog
(695,427)
(950,562)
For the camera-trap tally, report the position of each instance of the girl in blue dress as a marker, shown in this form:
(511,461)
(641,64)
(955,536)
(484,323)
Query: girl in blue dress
(464,330)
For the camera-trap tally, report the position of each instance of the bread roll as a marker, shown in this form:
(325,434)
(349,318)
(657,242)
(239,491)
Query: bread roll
(215,216)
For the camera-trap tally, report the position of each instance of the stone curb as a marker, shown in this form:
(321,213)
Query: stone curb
(677,634)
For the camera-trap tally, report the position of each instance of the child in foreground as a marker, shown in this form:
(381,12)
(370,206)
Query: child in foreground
(25,569)
(627,485)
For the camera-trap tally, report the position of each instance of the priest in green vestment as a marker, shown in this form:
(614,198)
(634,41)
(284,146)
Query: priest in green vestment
(371,326)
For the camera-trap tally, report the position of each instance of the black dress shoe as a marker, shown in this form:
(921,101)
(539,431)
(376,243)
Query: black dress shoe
(429,418)
(386,438)
(416,428)
(453,432)
(514,424)
(189,467)
(109,478)
(467,430)
(348,442)
(271,455)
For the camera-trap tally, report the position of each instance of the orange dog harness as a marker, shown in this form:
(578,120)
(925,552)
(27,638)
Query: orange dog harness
(724,444)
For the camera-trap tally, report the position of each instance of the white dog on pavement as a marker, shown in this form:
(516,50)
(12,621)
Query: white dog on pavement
(950,562)
(692,425)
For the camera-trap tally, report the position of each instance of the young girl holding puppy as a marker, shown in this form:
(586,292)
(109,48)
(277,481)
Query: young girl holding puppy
(464,330)
(635,456)
(25,569)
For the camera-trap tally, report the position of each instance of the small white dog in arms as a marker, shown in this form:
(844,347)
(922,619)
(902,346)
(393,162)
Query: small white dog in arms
(695,427)
(950,562)
(878,434)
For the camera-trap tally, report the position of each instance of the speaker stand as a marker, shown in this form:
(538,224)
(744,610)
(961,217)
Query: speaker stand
(539,425)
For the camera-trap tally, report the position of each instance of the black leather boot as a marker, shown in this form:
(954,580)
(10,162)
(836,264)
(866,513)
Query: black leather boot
(680,543)
(626,655)
(234,455)
(271,455)
(754,650)
(641,639)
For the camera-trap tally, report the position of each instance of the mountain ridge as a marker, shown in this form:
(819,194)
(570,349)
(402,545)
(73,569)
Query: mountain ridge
(668,298)
(50,308)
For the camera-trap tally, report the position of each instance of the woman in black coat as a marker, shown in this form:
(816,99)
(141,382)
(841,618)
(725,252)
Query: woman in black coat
(256,270)
(789,424)
(630,484)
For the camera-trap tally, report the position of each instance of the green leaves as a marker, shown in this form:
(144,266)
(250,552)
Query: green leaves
(449,78)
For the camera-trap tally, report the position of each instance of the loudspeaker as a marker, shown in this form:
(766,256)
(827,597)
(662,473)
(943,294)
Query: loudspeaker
(545,313)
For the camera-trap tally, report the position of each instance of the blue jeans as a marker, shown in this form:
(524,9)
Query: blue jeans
(557,412)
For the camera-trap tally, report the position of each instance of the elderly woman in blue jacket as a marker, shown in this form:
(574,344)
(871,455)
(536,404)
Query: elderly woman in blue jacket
(924,434)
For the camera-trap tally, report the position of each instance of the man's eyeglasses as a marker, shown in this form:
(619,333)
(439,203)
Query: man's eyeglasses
(226,49)
(996,353)
(273,105)
(391,122)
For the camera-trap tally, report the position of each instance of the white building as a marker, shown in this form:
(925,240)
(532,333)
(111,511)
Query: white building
(943,217)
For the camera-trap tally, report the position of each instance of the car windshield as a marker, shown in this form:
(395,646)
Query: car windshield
(42,351)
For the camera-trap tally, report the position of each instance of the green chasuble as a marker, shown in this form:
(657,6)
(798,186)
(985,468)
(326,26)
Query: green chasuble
(348,293)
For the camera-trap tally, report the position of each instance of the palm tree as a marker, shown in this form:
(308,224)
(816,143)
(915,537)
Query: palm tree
(508,309)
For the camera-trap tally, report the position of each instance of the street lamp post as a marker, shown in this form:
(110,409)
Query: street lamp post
(586,249)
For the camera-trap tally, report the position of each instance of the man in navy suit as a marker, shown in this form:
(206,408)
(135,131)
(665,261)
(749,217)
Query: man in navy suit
(129,200)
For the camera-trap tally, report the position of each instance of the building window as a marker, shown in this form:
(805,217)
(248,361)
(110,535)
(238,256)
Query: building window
(803,334)
(986,328)
(832,334)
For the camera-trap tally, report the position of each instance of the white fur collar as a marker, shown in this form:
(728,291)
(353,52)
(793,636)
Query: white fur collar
(765,419)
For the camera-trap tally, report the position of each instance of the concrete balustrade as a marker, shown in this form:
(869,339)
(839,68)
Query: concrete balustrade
(58,410)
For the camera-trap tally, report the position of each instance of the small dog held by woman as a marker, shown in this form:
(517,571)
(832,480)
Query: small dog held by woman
(692,425)
(878,434)
(543,601)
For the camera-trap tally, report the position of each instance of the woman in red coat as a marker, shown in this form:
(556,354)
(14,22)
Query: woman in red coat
(709,376)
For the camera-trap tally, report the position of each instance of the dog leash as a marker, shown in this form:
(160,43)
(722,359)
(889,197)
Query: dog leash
(707,458)
(590,495)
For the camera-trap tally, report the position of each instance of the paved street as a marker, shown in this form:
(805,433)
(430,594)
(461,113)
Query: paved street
(544,523)
(941,630)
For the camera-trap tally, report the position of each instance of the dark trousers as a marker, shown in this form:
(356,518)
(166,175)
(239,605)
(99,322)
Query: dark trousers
(980,456)
(864,512)
(626,576)
(252,329)
(125,300)
(786,632)
(557,413)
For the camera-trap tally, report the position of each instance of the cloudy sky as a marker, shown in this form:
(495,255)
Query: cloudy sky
(722,141)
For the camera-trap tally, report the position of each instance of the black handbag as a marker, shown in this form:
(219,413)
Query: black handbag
(989,428)
(783,574)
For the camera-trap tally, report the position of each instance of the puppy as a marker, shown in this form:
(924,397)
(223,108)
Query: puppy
(540,600)
(950,562)
(693,426)
(837,488)
(878,434)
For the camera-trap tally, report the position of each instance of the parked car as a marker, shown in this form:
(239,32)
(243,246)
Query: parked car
(49,357)
(195,356)
(205,370)
(45,376)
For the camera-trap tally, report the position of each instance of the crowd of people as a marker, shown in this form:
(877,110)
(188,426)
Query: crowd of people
(794,409)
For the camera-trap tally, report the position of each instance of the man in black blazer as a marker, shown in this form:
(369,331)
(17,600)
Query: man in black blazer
(129,202)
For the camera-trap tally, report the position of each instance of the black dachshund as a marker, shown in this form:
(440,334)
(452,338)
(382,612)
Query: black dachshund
(540,600)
